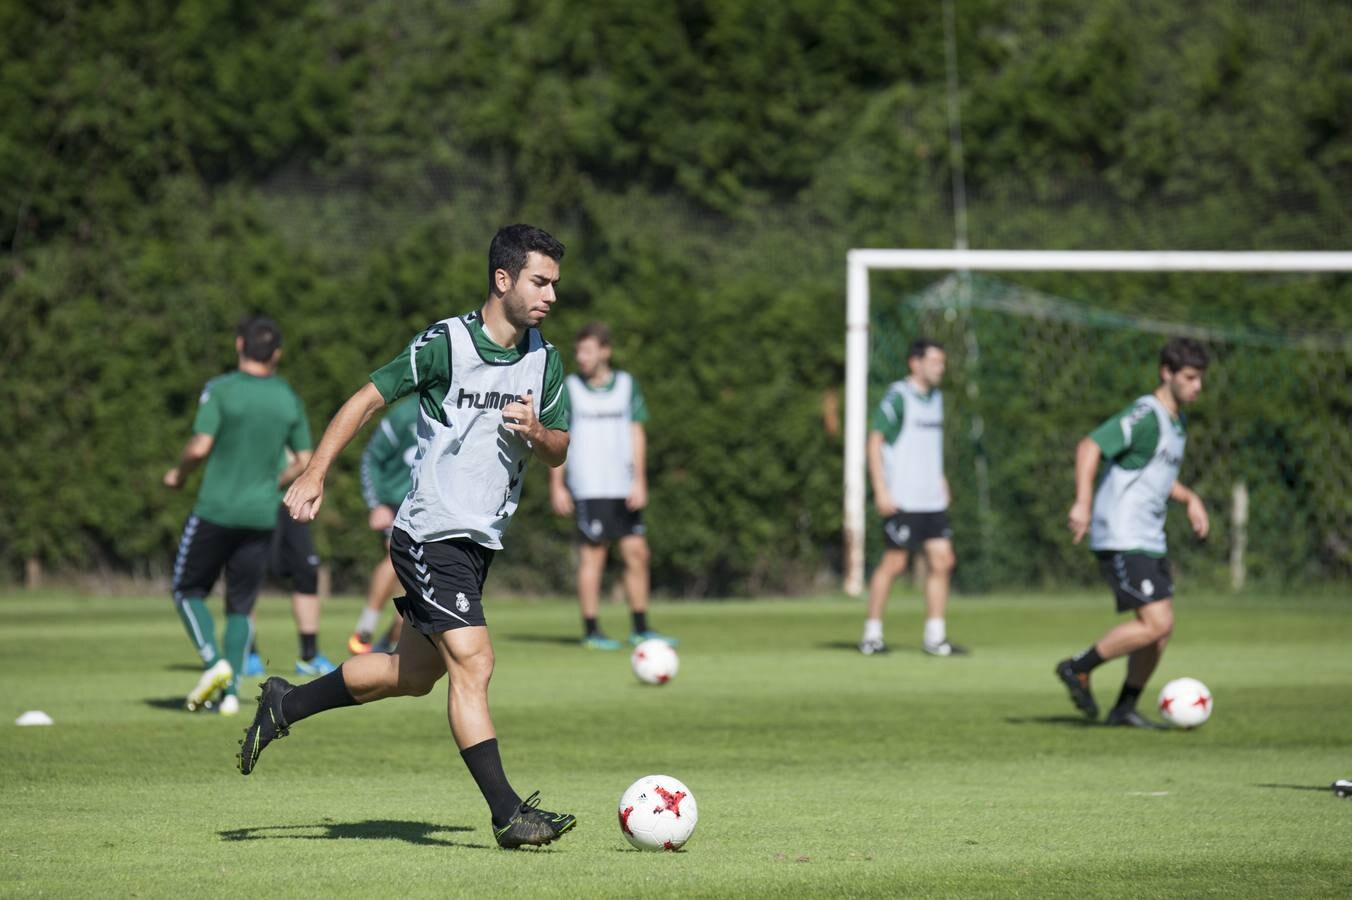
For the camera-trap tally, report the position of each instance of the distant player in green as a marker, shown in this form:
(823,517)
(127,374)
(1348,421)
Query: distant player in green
(1143,445)
(245,420)
(480,379)
(605,483)
(906,467)
(386,478)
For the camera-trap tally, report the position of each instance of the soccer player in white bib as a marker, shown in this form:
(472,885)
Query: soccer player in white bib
(1124,518)
(906,467)
(490,396)
(605,483)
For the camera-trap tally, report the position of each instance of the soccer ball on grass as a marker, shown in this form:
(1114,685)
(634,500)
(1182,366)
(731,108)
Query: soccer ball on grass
(658,812)
(1185,703)
(654,662)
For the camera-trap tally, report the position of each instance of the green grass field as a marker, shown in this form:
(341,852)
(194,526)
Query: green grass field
(817,771)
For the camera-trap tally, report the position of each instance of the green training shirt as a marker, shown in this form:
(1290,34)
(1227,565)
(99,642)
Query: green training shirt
(387,461)
(253,421)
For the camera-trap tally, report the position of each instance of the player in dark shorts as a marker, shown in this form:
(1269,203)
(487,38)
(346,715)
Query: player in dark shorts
(605,484)
(245,420)
(1124,518)
(910,491)
(293,560)
(480,379)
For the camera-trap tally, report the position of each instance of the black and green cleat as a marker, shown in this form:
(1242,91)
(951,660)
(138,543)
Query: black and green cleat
(268,724)
(531,826)
(1077,685)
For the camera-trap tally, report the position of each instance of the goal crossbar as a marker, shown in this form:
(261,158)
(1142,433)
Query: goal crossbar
(860,262)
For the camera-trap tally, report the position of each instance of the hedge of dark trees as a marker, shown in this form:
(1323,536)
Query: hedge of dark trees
(166,167)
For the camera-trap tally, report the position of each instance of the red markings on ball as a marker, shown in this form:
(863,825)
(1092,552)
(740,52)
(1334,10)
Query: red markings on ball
(624,819)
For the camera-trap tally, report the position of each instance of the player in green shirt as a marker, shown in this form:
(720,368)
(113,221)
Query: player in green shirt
(245,420)
(480,379)
(1124,518)
(386,478)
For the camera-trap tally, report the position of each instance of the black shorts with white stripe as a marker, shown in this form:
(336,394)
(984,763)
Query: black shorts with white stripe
(207,549)
(443,582)
(1136,578)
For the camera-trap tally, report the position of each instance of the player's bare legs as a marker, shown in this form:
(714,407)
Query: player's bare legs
(1141,663)
(305,609)
(892,564)
(591,565)
(383,585)
(467,656)
(940,560)
(1153,622)
(637,557)
(411,671)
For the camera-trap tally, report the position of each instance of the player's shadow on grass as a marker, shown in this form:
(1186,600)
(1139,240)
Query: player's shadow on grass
(1323,788)
(569,641)
(421,834)
(174,704)
(1076,721)
(183,667)
(854,646)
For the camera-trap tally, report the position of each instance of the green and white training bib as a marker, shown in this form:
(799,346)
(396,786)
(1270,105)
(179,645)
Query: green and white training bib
(912,425)
(467,473)
(1143,446)
(601,448)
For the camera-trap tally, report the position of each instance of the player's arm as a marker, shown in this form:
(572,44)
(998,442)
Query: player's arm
(194,452)
(296,461)
(638,494)
(560,498)
(882,497)
(1087,456)
(306,493)
(550,445)
(1197,516)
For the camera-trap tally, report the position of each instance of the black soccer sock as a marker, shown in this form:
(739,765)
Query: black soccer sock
(590,626)
(1087,661)
(640,622)
(325,692)
(309,646)
(485,764)
(1130,694)
(253,647)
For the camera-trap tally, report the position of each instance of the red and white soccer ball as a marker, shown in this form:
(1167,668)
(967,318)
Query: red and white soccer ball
(1185,703)
(658,812)
(654,662)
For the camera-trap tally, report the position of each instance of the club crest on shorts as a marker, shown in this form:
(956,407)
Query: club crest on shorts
(462,602)
(1148,588)
(595,527)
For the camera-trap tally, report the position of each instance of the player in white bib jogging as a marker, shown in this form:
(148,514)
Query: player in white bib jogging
(906,467)
(480,379)
(1143,445)
(605,483)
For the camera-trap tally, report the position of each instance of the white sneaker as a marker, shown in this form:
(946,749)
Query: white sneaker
(229,705)
(214,679)
(870,646)
(947,648)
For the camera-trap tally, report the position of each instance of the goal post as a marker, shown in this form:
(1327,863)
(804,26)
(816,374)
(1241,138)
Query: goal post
(860,262)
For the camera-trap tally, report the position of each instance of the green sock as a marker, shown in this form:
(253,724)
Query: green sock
(201,628)
(238,634)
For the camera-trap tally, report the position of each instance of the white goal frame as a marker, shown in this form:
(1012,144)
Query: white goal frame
(860,262)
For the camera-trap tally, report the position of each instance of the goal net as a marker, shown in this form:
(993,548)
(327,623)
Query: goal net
(1037,359)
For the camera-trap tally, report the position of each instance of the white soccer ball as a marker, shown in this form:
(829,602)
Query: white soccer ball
(658,812)
(654,662)
(1185,703)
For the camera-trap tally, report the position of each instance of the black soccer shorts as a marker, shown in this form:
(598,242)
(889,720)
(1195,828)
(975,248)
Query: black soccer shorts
(607,519)
(1136,578)
(205,549)
(910,530)
(443,582)
(292,556)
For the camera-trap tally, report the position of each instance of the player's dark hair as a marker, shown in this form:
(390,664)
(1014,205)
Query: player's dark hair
(510,247)
(920,346)
(600,331)
(1180,352)
(262,337)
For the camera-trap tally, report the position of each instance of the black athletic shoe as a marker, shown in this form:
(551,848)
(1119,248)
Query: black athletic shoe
(268,725)
(1131,718)
(1077,685)
(532,826)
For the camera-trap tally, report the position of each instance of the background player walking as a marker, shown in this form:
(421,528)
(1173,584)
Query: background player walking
(906,467)
(605,483)
(477,378)
(245,421)
(1144,447)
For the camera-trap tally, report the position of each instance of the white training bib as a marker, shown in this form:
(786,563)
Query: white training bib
(1130,504)
(468,471)
(914,462)
(600,445)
